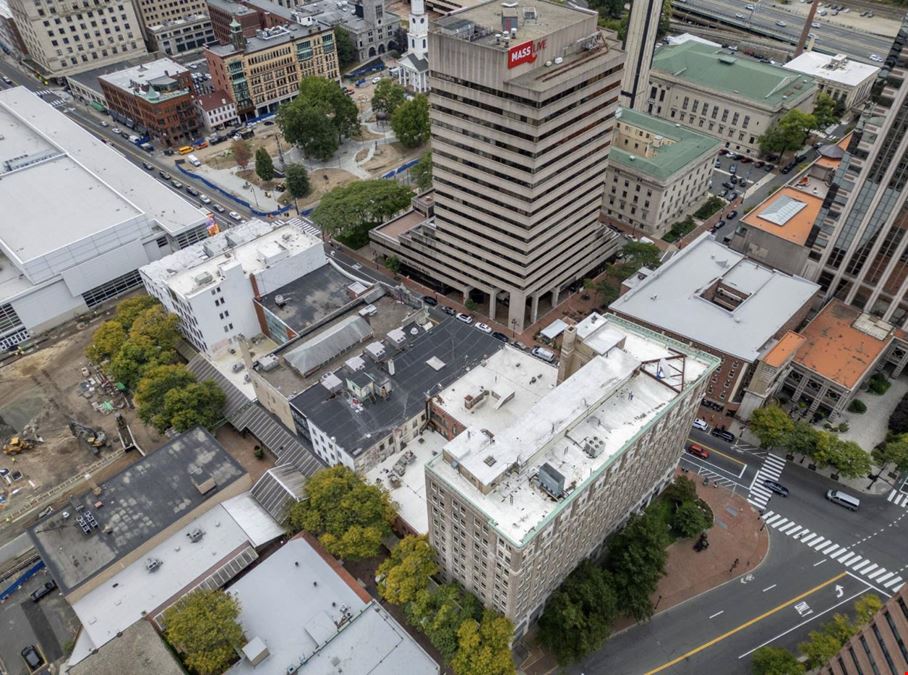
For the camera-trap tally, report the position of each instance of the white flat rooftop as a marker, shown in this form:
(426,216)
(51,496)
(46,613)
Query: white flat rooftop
(59,184)
(671,298)
(515,381)
(410,495)
(838,68)
(134,591)
(608,402)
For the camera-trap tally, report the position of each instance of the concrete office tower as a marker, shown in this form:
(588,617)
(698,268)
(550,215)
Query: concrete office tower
(639,46)
(859,251)
(522,106)
(65,37)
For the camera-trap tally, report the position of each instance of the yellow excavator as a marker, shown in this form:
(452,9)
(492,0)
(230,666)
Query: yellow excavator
(17,444)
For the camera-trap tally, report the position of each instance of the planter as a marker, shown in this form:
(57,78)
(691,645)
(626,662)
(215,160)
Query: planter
(834,476)
(812,467)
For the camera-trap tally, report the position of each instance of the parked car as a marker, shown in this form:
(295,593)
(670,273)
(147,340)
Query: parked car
(168,151)
(732,196)
(500,336)
(148,166)
(205,199)
(466,318)
(191,190)
(177,185)
(700,424)
(733,168)
(768,167)
(235,216)
(775,486)
(448,310)
(116,130)
(780,24)
(731,215)
(543,354)
(32,658)
(429,300)
(728,185)
(698,451)
(484,327)
(103,123)
(48,588)
(726,436)
(218,208)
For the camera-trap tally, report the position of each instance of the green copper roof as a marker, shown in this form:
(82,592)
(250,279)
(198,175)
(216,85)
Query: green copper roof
(688,146)
(737,76)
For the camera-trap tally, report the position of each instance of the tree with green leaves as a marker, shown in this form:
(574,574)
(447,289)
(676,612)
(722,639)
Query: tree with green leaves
(264,166)
(823,644)
(850,460)
(894,451)
(421,172)
(636,559)
(407,570)
(392,262)
(578,616)
(637,254)
(388,96)
(198,404)
(439,614)
(204,627)
(349,516)
(802,439)
(691,518)
(774,661)
(771,425)
(241,152)
(152,341)
(484,647)
(106,341)
(788,133)
(410,121)
(154,386)
(347,53)
(348,212)
(130,308)
(319,118)
(297,179)
(825,110)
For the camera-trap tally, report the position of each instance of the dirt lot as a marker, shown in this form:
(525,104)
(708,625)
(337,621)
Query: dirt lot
(390,156)
(47,389)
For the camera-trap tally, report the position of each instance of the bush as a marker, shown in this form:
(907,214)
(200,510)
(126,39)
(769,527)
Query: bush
(857,406)
(710,206)
(878,384)
(898,420)
(680,229)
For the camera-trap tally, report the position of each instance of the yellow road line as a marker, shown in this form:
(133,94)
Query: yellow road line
(746,624)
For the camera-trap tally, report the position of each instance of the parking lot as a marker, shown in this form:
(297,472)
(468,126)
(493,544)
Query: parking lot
(49,624)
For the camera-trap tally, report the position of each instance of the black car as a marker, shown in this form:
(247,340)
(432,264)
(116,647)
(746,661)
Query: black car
(724,435)
(447,310)
(786,169)
(32,658)
(732,196)
(500,336)
(429,300)
(48,588)
(731,215)
(191,190)
(163,174)
(767,168)
(775,486)
(728,185)
(218,208)
(168,151)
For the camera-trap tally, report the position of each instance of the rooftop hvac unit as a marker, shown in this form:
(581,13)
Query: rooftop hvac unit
(204,278)
(551,480)
(195,535)
(593,446)
(152,564)
(280,300)
(268,362)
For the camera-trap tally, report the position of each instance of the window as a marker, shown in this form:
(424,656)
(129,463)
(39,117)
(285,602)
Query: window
(746,122)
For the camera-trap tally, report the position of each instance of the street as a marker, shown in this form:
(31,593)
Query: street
(821,558)
(764,19)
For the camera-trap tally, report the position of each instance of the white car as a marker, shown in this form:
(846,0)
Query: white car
(781,24)
(701,425)
(103,123)
(876,57)
(376,80)
(205,199)
(466,318)
(485,328)
(117,131)
(236,216)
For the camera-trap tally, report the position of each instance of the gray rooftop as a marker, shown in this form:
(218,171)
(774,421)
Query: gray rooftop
(159,73)
(89,78)
(458,346)
(272,37)
(136,504)
(676,298)
(138,646)
(311,616)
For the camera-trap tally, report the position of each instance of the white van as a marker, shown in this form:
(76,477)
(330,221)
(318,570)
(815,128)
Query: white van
(192,159)
(544,354)
(842,499)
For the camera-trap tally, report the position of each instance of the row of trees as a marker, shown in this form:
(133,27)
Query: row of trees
(790,131)
(348,212)
(409,118)
(204,628)
(472,640)
(821,645)
(138,348)
(774,428)
(578,617)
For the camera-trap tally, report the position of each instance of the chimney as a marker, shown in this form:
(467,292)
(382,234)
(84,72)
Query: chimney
(567,351)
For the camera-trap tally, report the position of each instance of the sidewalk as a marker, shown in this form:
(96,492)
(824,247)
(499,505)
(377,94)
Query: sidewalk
(736,535)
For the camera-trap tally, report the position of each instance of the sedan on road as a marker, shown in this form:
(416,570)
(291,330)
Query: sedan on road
(148,166)
(698,451)
(448,310)
(235,216)
(116,130)
(205,199)
(429,300)
(500,336)
(484,327)
(218,208)
(466,318)
(48,588)
(700,424)
(724,435)
(775,486)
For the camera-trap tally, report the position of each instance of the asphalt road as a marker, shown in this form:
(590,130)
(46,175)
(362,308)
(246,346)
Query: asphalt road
(762,20)
(821,558)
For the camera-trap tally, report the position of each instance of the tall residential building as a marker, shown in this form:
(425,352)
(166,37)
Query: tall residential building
(175,26)
(65,37)
(860,249)
(511,514)
(522,104)
(414,65)
(261,72)
(736,99)
(639,46)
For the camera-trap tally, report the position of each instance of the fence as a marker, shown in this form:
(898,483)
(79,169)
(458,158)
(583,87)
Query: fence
(230,195)
(18,583)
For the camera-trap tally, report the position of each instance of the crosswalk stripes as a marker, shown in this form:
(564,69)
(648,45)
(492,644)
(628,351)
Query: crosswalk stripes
(771,469)
(854,562)
(898,498)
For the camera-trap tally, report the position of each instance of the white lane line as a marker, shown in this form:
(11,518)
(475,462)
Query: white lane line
(845,558)
(830,548)
(866,565)
(898,588)
(893,582)
(721,611)
(821,562)
(892,495)
(769,588)
(855,561)
(770,521)
(794,532)
(883,578)
(803,535)
(873,576)
(841,554)
(807,540)
(822,541)
(779,523)
(768,514)
(790,528)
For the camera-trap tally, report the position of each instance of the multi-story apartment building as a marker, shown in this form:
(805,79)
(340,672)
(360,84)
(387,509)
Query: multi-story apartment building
(715,91)
(657,174)
(261,72)
(154,12)
(845,80)
(10,39)
(225,12)
(65,37)
(522,104)
(511,515)
(175,36)
(858,252)
(154,98)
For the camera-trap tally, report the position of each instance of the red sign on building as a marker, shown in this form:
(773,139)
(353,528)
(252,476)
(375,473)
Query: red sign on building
(523,53)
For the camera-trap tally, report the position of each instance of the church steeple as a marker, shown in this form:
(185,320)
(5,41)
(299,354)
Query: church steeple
(237,39)
(418,33)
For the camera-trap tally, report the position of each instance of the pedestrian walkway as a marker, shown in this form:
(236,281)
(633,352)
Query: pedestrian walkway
(898,498)
(772,468)
(844,555)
